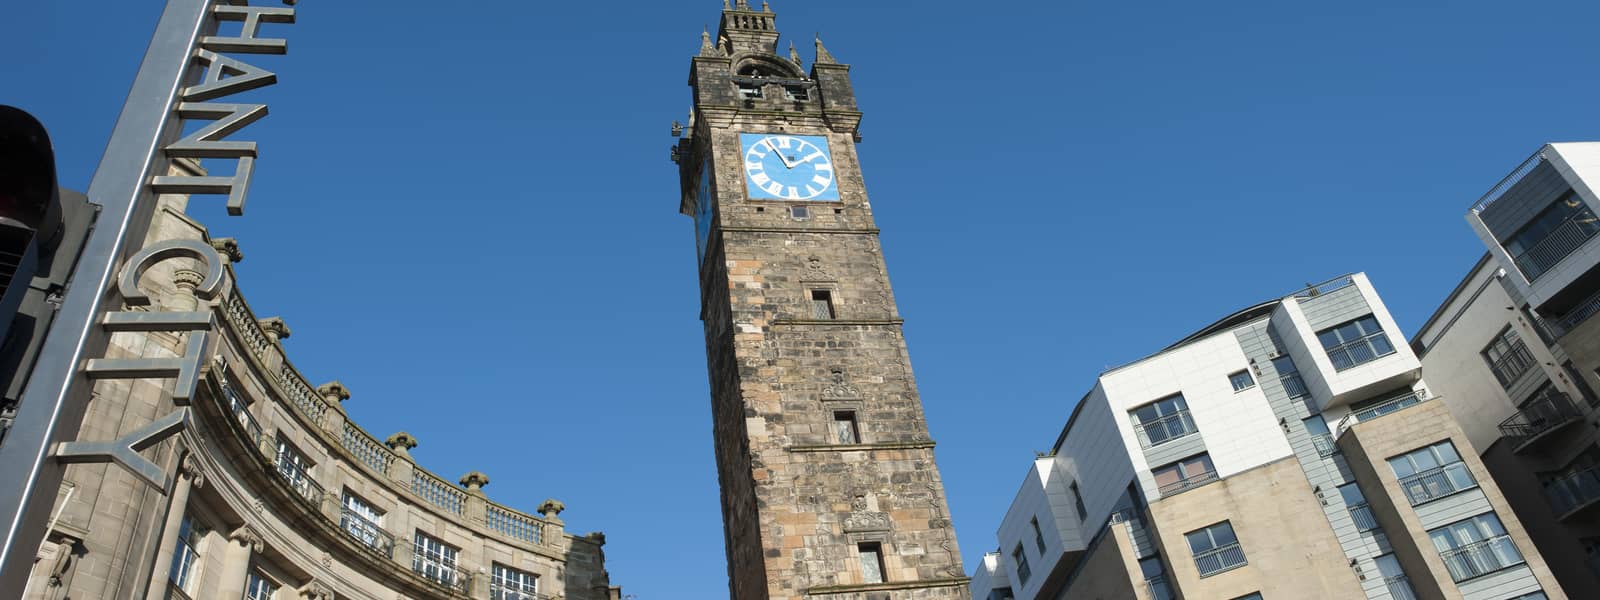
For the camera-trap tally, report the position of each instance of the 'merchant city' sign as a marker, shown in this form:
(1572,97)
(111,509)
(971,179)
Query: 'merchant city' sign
(187,74)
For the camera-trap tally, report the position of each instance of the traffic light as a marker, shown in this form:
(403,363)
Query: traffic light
(42,230)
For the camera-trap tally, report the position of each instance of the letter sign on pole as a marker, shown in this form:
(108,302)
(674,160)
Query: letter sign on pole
(184,69)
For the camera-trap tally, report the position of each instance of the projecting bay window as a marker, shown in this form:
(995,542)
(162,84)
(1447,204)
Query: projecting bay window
(1554,233)
(1162,421)
(1475,547)
(821,305)
(1431,473)
(1508,357)
(1355,342)
(871,554)
(513,584)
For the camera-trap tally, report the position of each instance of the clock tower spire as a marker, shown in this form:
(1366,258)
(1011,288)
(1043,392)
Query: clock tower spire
(829,485)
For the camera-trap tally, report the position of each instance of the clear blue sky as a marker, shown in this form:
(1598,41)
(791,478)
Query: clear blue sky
(466,211)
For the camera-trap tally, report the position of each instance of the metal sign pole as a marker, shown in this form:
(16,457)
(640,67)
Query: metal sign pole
(53,405)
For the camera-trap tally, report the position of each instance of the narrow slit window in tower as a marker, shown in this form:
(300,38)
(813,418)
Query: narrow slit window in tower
(821,304)
(844,427)
(871,562)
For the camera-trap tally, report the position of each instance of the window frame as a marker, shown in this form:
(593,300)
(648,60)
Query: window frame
(1425,477)
(257,581)
(1020,557)
(500,577)
(870,554)
(822,307)
(1482,536)
(1167,410)
(1366,339)
(187,553)
(1249,380)
(1215,548)
(447,564)
(1507,349)
(1181,465)
(843,425)
(1038,534)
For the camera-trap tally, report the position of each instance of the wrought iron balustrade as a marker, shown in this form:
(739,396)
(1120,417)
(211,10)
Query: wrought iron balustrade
(1187,483)
(1165,429)
(1561,242)
(1399,587)
(1217,560)
(446,576)
(363,530)
(1481,558)
(1373,411)
(1540,415)
(296,476)
(1293,385)
(1361,514)
(1576,315)
(1575,491)
(1437,482)
(1325,444)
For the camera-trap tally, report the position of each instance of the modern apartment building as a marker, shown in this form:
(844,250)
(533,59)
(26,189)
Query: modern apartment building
(1513,351)
(276,492)
(1290,450)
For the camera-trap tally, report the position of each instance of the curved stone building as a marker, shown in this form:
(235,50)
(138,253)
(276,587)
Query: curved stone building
(280,495)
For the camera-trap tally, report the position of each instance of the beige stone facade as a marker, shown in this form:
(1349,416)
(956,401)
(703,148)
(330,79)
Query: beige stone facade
(278,494)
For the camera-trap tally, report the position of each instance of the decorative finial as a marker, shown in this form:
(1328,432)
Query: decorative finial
(823,57)
(706,49)
(764,6)
(334,391)
(551,509)
(275,327)
(402,443)
(794,55)
(474,482)
(725,5)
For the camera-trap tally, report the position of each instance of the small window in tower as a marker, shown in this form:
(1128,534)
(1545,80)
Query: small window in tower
(844,427)
(799,212)
(871,562)
(821,304)
(797,93)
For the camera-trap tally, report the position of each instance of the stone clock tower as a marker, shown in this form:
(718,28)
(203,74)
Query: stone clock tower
(829,486)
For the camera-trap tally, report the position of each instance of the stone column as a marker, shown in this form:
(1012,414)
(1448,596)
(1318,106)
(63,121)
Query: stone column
(186,280)
(236,560)
(189,477)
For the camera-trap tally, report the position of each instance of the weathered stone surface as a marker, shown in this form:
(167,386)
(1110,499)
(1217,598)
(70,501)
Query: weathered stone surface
(797,502)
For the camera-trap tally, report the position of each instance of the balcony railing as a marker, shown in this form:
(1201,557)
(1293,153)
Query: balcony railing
(1187,483)
(1165,429)
(1540,416)
(1578,314)
(1399,587)
(1481,558)
(365,531)
(1373,411)
(1325,444)
(1437,483)
(1362,515)
(1511,365)
(1562,241)
(442,575)
(1293,385)
(1574,492)
(1159,588)
(304,486)
(1217,560)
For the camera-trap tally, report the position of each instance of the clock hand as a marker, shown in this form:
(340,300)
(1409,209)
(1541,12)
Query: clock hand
(778,152)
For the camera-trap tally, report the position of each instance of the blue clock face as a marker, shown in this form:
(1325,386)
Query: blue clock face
(788,167)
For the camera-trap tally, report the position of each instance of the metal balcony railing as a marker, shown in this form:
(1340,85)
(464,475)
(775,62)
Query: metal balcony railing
(1293,385)
(1159,588)
(359,528)
(1511,365)
(307,488)
(1437,483)
(1399,587)
(1363,517)
(442,575)
(1573,492)
(1562,241)
(1325,445)
(1373,411)
(1165,429)
(1481,558)
(1539,416)
(1576,315)
(1217,560)
(1187,483)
